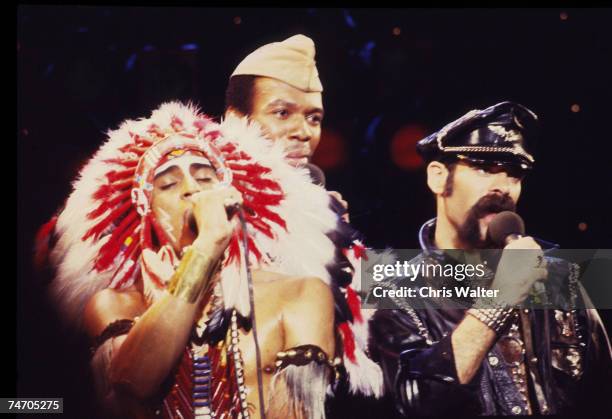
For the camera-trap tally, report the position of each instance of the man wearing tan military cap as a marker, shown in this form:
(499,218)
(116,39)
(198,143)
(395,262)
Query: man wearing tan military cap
(278,86)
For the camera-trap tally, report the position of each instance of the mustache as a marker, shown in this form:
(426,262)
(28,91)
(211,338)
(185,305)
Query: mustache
(469,231)
(492,203)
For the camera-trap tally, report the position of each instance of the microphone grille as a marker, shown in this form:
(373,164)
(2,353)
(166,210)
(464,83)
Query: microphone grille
(316,174)
(504,224)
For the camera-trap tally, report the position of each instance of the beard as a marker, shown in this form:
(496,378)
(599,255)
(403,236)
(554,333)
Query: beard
(469,231)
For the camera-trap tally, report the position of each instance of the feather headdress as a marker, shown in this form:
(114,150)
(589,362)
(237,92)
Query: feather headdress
(105,231)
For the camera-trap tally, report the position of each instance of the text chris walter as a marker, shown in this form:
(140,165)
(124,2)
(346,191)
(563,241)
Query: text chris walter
(429,292)
(409,270)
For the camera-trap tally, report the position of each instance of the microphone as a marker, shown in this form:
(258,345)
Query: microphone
(505,227)
(230,210)
(318,178)
(316,174)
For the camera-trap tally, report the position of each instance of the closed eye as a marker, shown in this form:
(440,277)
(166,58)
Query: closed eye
(167,186)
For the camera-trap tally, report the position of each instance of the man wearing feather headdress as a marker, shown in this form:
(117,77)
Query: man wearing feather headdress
(153,265)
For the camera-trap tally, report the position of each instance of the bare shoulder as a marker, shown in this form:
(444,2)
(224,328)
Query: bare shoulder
(109,305)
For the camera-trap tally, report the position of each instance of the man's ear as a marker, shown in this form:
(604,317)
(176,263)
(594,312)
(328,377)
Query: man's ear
(436,177)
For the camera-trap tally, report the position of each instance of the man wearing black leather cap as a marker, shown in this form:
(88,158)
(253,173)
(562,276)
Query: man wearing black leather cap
(496,360)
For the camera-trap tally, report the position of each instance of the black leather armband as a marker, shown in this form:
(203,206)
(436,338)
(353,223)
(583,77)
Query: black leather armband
(116,328)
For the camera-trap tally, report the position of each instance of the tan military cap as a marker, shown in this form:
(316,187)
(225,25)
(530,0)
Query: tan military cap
(291,61)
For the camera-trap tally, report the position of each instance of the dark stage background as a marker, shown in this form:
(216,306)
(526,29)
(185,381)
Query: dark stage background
(390,77)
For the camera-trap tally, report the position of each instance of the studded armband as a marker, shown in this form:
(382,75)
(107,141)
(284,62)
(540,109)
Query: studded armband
(300,382)
(303,355)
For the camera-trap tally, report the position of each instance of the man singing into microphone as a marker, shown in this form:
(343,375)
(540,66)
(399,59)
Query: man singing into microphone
(443,359)
(154,266)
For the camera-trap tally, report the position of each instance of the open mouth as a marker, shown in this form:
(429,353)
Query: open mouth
(193,226)
(190,223)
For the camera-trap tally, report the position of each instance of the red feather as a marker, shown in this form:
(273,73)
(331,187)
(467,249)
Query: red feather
(127,275)
(111,248)
(42,242)
(141,141)
(263,212)
(259,183)
(359,251)
(353,302)
(108,204)
(237,156)
(122,174)
(105,191)
(234,250)
(252,169)
(122,162)
(200,124)
(99,228)
(253,248)
(155,130)
(156,279)
(262,227)
(146,233)
(176,123)
(227,148)
(258,197)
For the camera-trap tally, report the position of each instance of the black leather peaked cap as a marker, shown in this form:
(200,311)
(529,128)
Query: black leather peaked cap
(501,134)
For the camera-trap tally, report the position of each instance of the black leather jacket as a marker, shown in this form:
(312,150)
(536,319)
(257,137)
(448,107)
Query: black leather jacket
(571,359)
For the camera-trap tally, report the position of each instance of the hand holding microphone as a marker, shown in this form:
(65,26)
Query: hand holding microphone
(213,212)
(522,263)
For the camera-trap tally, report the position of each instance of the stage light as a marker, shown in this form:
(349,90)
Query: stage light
(403,147)
(575,108)
(331,152)
(366,52)
(349,19)
(129,64)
